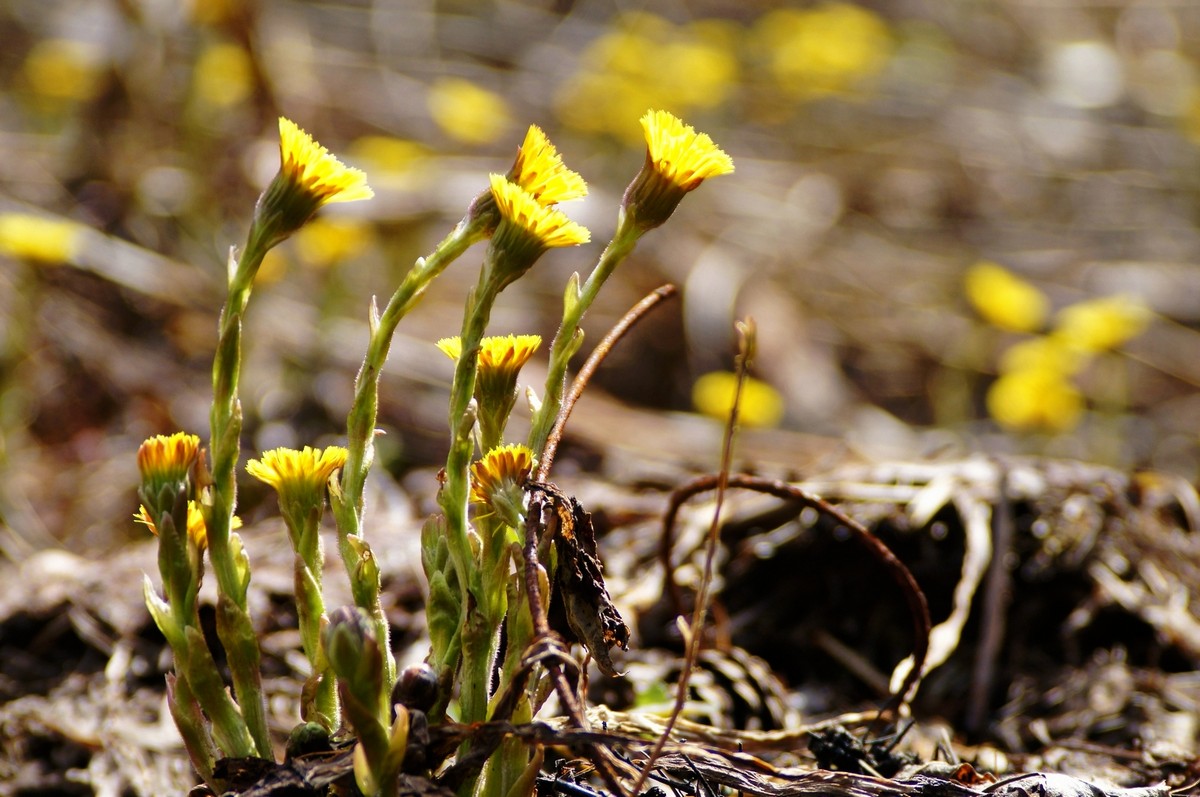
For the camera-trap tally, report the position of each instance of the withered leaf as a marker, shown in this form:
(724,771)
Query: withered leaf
(580,608)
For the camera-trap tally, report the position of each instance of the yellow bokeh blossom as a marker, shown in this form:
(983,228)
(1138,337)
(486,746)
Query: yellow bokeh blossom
(1004,299)
(64,69)
(299,477)
(324,242)
(223,76)
(540,171)
(1097,325)
(678,160)
(823,50)
(468,112)
(309,177)
(39,239)
(1035,399)
(761,404)
(1042,353)
(646,61)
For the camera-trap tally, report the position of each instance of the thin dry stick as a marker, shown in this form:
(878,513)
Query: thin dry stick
(918,607)
(601,351)
(541,625)
(692,638)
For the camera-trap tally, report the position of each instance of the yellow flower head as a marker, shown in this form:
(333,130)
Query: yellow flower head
(678,160)
(499,362)
(166,459)
(540,171)
(197,531)
(1004,299)
(299,477)
(500,354)
(498,481)
(1101,324)
(39,239)
(309,177)
(527,230)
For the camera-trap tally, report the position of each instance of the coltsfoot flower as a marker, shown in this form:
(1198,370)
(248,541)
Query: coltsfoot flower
(308,178)
(539,170)
(299,477)
(497,367)
(527,229)
(678,160)
(498,481)
(165,463)
(500,360)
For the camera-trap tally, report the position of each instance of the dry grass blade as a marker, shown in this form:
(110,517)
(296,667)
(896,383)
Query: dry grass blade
(693,633)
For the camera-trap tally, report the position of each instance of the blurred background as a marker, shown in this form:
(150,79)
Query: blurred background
(960,227)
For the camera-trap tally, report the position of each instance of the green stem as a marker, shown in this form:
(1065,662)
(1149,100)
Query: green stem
(347,503)
(565,341)
(236,631)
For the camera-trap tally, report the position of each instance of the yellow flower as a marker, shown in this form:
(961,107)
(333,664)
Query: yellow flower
(526,230)
(540,171)
(469,113)
(299,477)
(680,154)
(498,481)
(678,160)
(1004,299)
(502,354)
(1101,324)
(499,362)
(1035,399)
(39,239)
(197,531)
(167,458)
(546,228)
(761,404)
(309,177)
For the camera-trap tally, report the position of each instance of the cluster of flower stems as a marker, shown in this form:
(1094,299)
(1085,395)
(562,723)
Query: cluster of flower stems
(471,551)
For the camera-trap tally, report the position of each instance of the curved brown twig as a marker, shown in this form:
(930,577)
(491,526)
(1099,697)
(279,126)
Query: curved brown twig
(918,607)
